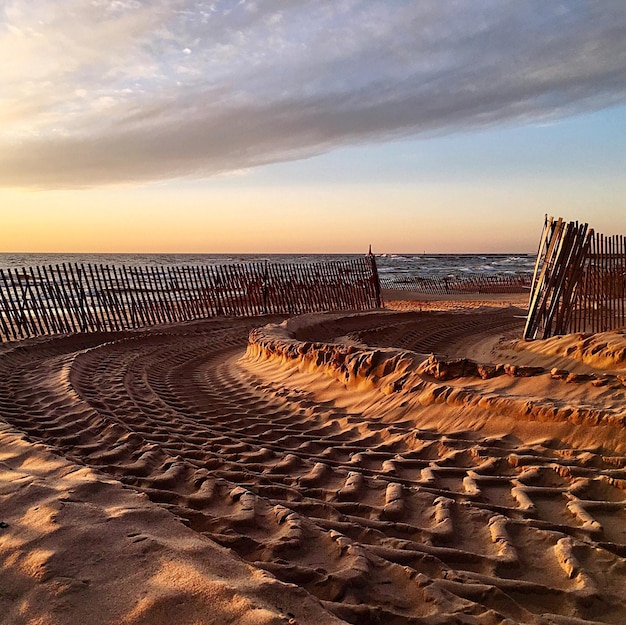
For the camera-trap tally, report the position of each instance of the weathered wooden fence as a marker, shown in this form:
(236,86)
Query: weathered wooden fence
(499,283)
(73,297)
(600,304)
(579,283)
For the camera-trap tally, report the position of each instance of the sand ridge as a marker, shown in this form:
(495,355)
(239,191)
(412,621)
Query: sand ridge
(520,391)
(372,506)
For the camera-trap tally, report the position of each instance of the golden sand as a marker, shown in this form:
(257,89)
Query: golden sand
(416,465)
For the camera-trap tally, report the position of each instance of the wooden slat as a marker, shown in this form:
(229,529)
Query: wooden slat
(165,295)
(89,321)
(558,282)
(208,283)
(10,315)
(97,300)
(574,272)
(138,313)
(214,280)
(33,304)
(21,322)
(63,317)
(147,292)
(539,288)
(193,296)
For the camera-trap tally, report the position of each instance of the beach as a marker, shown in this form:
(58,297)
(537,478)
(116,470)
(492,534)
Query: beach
(417,464)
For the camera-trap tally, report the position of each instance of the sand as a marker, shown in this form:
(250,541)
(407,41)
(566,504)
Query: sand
(416,465)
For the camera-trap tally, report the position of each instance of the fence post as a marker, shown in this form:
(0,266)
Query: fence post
(265,287)
(375,279)
(82,300)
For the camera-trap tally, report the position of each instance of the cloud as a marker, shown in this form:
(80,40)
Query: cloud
(113,92)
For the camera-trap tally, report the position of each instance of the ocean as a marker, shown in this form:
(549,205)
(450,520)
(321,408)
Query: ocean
(393,267)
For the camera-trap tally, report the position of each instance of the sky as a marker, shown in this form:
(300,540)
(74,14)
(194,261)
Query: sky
(308,126)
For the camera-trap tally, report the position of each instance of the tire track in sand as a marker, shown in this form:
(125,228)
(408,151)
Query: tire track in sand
(380,521)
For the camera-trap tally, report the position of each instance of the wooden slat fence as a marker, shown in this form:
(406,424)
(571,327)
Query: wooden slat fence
(601,299)
(579,283)
(499,283)
(71,297)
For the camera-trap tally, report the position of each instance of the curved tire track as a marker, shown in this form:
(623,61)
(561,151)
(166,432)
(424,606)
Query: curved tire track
(381,522)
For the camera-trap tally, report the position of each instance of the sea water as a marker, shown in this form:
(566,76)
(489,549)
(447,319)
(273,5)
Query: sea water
(393,267)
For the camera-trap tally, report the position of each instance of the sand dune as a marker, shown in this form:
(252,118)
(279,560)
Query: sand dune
(416,466)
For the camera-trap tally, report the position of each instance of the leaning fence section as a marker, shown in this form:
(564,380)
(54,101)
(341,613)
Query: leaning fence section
(501,283)
(73,297)
(579,282)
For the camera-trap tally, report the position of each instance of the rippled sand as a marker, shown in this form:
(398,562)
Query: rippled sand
(418,465)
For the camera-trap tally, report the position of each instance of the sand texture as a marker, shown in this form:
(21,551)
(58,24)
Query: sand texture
(420,465)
